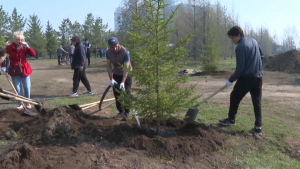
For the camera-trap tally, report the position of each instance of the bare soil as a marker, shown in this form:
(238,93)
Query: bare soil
(63,138)
(288,62)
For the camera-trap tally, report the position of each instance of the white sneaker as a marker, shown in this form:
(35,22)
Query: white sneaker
(28,106)
(88,93)
(20,107)
(73,95)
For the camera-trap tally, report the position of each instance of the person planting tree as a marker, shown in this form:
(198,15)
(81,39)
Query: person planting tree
(248,74)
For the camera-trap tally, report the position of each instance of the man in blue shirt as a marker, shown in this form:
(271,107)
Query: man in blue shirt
(248,74)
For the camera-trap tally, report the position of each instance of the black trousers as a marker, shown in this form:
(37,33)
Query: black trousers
(127,84)
(88,56)
(80,76)
(241,88)
(58,58)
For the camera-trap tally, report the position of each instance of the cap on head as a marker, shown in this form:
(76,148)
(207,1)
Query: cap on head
(113,41)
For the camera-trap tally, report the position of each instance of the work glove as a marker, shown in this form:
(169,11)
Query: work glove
(228,83)
(122,87)
(25,45)
(112,82)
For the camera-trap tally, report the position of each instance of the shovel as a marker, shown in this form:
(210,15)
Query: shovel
(89,105)
(193,111)
(102,99)
(28,112)
(38,105)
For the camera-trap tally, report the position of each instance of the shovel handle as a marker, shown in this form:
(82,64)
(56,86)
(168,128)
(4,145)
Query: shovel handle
(10,82)
(20,99)
(8,92)
(91,105)
(222,88)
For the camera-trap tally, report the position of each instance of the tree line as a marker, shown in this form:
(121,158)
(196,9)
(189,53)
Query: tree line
(204,19)
(45,42)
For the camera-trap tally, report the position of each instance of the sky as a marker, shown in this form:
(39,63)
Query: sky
(273,14)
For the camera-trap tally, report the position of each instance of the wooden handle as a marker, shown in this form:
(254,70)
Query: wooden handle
(222,88)
(92,105)
(84,105)
(8,92)
(16,98)
(89,104)
(10,82)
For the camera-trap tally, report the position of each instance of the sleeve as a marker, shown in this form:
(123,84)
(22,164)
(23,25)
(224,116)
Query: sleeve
(107,56)
(82,56)
(126,57)
(240,63)
(30,52)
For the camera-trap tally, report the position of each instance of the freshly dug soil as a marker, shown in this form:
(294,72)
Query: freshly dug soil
(288,62)
(64,138)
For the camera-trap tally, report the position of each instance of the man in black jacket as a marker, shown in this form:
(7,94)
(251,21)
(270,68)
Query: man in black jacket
(78,65)
(87,46)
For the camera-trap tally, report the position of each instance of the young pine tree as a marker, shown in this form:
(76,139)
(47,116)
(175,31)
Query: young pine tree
(211,53)
(159,92)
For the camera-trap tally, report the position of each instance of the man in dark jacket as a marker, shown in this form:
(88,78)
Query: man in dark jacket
(87,46)
(78,65)
(248,74)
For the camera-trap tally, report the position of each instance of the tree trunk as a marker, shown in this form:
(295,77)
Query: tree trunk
(158,127)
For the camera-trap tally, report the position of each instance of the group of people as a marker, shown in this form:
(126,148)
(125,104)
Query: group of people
(101,53)
(70,52)
(248,73)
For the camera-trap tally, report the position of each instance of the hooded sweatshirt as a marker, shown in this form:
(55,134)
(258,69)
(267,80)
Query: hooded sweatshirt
(79,54)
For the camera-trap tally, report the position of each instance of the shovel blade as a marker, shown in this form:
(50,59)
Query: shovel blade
(191,115)
(75,107)
(39,108)
(30,113)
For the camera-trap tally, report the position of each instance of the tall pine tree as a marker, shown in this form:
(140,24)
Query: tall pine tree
(4,20)
(98,33)
(34,35)
(51,40)
(16,23)
(65,33)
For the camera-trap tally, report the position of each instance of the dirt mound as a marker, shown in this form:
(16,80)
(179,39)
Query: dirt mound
(19,157)
(177,141)
(288,62)
(62,137)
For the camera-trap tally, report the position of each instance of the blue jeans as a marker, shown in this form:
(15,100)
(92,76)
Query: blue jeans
(20,81)
(71,58)
(7,63)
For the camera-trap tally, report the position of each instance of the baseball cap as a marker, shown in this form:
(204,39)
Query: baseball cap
(113,41)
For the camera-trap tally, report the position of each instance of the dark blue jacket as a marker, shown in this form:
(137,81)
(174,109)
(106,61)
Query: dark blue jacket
(248,59)
(79,54)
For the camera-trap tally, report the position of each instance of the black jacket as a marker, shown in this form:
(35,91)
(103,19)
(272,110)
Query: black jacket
(79,54)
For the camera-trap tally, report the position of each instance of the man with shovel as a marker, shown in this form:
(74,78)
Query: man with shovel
(117,56)
(248,74)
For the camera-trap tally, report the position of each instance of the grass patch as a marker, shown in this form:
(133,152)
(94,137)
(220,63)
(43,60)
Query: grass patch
(69,101)
(264,159)
(225,65)
(275,130)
